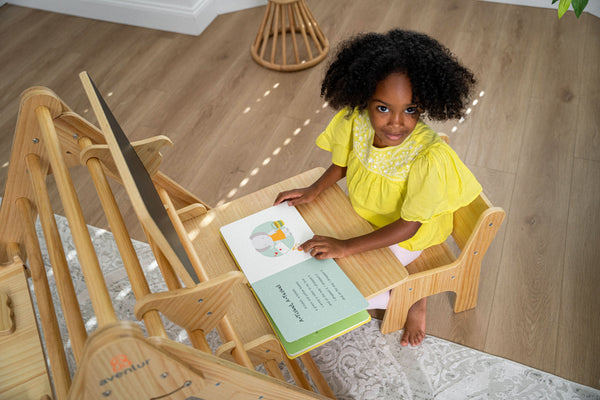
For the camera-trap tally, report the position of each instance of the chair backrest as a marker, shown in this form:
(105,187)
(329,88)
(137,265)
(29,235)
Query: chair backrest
(475,225)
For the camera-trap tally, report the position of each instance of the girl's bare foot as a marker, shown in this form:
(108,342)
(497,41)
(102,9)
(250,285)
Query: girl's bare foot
(414,329)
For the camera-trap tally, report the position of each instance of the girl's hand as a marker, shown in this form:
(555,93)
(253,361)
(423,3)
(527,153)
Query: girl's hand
(295,197)
(321,247)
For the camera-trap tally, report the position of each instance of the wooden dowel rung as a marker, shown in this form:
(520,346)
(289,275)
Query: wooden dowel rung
(47,314)
(182,234)
(58,261)
(90,266)
(137,279)
(198,339)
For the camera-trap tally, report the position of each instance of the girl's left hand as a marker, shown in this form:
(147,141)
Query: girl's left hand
(321,247)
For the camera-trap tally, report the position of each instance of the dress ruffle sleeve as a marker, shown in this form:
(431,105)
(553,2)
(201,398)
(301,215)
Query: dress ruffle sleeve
(337,137)
(438,183)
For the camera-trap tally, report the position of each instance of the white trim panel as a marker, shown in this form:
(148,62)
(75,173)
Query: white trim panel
(182,16)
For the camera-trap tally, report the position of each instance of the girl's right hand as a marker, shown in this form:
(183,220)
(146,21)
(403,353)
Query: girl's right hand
(295,197)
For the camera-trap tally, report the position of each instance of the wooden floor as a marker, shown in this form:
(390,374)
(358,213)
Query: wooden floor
(532,139)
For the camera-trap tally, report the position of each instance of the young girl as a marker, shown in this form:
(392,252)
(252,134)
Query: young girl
(401,176)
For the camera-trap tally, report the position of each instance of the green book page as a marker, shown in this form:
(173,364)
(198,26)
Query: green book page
(308,297)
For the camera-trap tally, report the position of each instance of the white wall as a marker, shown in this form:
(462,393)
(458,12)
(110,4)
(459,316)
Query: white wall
(186,16)
(182,16)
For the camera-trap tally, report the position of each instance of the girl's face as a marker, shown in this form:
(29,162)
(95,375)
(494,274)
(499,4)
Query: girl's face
(392,112)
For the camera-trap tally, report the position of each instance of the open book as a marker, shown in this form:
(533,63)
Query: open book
(307,301)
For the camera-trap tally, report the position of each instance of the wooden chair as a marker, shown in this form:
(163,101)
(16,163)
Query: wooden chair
(438,269)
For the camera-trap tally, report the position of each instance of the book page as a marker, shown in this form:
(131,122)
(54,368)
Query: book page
(267,242)
(308,296)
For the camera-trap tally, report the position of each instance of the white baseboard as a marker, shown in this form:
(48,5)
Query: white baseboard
(182,16)
(593,6)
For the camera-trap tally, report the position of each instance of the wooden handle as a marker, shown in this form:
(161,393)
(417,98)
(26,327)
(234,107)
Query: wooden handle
(7,317)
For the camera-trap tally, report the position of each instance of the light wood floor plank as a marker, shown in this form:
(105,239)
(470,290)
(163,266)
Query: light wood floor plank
(588,123)
(507,85)
(539,209)
(578,323)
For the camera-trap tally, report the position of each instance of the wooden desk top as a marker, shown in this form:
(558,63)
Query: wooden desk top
(331,214)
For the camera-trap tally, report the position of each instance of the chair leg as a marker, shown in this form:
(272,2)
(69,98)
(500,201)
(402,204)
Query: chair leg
(463,281)
(402,298)
(468,288)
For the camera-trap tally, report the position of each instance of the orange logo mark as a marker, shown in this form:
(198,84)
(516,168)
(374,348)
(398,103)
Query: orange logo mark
(119,362)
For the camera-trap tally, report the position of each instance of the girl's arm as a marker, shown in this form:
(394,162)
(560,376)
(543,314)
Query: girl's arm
(295,197)
(322,247)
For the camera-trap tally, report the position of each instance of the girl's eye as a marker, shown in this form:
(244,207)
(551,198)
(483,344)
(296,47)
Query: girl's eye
(412,110)
(382,109)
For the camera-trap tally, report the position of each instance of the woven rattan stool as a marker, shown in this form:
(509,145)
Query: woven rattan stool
(289,38)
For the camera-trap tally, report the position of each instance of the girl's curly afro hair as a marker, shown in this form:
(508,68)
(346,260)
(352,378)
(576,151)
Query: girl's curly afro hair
(441,86)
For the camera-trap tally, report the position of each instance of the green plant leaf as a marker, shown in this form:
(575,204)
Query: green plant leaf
(554,1)
(578,6)
(563,6)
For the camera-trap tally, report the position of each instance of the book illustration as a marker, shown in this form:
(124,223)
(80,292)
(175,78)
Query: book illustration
(273,239)
(267,241)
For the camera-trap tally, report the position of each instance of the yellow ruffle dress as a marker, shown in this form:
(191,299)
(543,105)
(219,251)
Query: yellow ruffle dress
(422,179)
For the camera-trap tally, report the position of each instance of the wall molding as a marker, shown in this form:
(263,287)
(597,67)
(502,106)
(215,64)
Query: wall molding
(182,16)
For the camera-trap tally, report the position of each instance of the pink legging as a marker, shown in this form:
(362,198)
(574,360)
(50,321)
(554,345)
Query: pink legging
(405,257)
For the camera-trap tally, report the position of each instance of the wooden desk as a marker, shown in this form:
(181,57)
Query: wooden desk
(331,214)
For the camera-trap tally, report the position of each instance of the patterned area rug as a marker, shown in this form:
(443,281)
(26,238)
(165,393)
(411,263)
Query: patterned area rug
(363,364)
